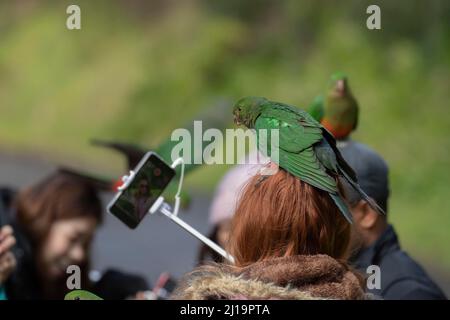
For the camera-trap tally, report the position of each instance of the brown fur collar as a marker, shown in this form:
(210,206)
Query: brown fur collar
(297,277)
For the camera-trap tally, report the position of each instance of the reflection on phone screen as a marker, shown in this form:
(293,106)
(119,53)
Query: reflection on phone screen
(148,184)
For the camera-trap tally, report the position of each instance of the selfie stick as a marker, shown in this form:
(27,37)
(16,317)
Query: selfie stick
(165,209)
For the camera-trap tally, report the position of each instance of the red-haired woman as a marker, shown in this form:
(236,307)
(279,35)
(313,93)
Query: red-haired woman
(289,241)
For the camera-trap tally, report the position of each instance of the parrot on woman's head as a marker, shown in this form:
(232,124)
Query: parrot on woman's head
(306,149)
(337,111)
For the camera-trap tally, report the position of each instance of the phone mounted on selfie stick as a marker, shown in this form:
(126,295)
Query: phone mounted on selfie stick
(165,208)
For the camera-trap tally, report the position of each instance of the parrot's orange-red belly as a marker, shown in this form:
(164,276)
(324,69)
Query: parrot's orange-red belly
(338,131)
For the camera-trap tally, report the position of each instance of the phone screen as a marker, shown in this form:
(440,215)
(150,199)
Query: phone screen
(152,175)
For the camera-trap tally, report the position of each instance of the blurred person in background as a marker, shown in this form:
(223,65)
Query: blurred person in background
(375,241)
(54,223)
(289,241)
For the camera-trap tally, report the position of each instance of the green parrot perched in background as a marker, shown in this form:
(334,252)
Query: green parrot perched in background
(337,111)
(306,149)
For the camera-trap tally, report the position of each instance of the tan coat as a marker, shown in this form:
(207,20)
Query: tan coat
(298,277)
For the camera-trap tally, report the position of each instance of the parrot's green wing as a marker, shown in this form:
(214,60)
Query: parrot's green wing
(296,155)
(81,295)
(316,109)
(297,129)
(306,166)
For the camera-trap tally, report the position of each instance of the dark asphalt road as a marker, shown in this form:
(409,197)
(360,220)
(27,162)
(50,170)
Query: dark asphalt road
(157,245)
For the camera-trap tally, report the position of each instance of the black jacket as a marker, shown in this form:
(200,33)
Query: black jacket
(401,277)
(22,284)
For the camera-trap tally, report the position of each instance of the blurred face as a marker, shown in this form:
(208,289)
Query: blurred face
(143,187)
(67,243)
(357,232)
(367,227)
(356,239)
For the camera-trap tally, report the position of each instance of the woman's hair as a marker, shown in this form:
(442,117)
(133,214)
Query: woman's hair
(280,215)
(60,196)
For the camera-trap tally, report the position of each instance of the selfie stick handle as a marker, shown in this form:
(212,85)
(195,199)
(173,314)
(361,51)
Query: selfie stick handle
(165,209)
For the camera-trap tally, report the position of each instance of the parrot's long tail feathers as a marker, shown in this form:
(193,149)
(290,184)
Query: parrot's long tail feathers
(369,200)
(342,206)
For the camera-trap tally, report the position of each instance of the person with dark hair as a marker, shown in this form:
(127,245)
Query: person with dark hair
(289,241)
(54,222)
(375,241)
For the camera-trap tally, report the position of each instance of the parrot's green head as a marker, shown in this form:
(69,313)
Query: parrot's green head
(247,109)
(338,85)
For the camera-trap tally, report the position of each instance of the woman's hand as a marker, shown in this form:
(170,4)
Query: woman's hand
(7,259)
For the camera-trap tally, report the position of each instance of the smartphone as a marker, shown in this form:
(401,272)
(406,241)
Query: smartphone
(141,189)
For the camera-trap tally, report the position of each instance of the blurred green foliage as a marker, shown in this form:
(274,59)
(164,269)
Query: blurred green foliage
(138,69)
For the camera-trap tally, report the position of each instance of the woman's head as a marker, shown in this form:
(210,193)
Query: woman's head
(59,216)
(280,215)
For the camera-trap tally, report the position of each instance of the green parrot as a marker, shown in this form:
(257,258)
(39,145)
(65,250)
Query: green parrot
(306,149)
(81,295)
(337,111)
